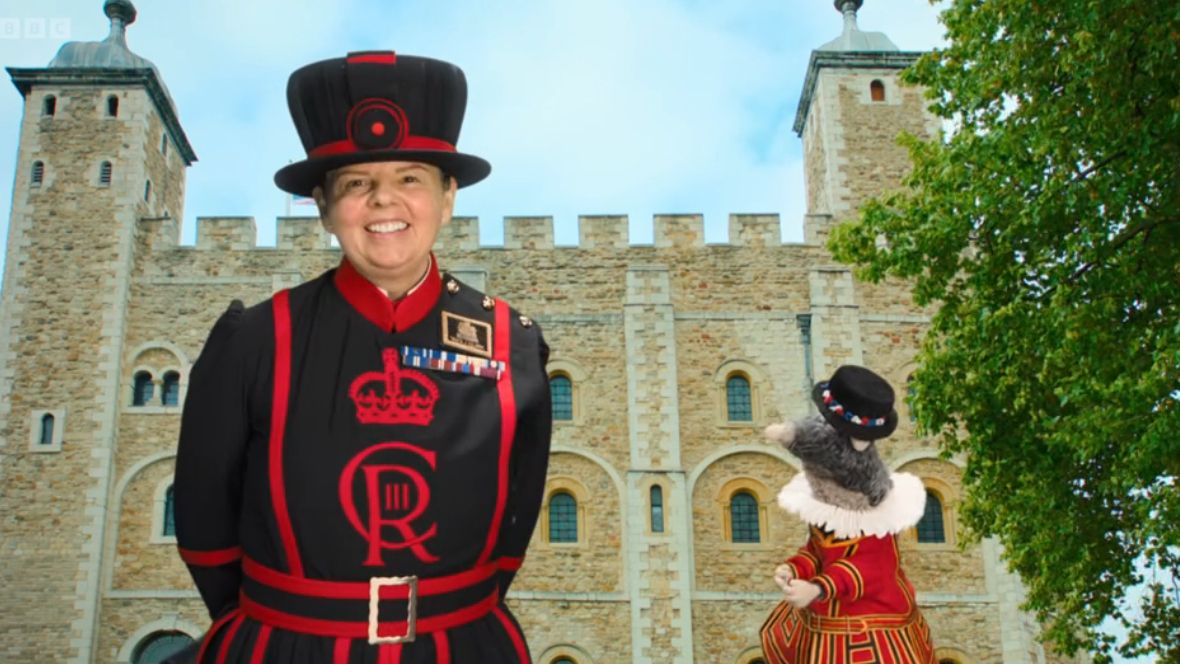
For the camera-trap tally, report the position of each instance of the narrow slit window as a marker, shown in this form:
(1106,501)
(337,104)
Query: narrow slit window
(169,514)
(561,392)
(38,174)
(112,106)
(46,429)
(877,90)
(49,107)
(657,509)
(147,191)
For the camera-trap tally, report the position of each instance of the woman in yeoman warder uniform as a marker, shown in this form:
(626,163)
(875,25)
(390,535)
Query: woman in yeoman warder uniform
(362,457)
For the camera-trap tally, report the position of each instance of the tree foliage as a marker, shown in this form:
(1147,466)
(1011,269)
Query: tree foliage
(1045,226)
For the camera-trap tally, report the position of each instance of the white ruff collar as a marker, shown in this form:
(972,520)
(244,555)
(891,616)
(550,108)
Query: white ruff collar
(902,507)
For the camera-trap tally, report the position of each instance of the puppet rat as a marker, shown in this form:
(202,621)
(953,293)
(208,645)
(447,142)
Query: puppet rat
(846,597)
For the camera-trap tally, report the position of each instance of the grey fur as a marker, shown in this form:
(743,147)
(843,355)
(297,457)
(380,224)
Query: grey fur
(839,474)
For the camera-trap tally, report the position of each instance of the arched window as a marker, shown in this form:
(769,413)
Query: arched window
(171,388)
(38,174)
(147,191)
(46,437)
(563,660)
(169,529)
(743,518)
(49,107)
(877,90)
(159,646)
(561,393)
(657,508)
(737,399)
(104,173)
(930,528)
(563,518)
(112,106)
(142,390)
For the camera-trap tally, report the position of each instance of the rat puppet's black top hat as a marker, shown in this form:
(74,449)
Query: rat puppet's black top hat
(377,106)
(857,402)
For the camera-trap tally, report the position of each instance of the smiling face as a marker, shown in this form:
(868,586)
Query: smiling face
(386,216)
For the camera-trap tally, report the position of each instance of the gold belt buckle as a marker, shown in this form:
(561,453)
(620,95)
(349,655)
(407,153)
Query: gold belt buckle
(375,585)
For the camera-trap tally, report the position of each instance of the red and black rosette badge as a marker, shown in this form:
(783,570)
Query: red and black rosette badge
(377,124)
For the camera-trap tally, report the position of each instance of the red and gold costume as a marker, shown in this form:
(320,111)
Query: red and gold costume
(866,610)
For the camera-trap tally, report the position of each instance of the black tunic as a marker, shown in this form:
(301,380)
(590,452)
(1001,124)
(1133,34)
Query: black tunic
(401,450)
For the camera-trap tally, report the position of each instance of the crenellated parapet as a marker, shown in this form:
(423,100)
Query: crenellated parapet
(528,232)
(226,233)
(604,231)
(679,230)
(755,230)
(462,234)
(301,233)
(521,233)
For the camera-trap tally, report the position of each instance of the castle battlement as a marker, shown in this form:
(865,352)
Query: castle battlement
(528,233)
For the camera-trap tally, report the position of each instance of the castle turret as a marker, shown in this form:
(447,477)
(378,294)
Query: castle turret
(852,109)
(101,150)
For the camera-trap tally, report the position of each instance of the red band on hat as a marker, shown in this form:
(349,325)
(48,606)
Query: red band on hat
(374,58)
(410,143)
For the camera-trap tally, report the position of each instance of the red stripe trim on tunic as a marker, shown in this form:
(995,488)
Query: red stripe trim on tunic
(209,636)
(390,654)
(340,652)
(260,645)
(278,426)
(360,589)
(517,638)
(442,647)
(360,629)
(215,558)
(223,651)
(502,353)
(510,563)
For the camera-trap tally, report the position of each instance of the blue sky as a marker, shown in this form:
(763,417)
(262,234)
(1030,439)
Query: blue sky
(610,106)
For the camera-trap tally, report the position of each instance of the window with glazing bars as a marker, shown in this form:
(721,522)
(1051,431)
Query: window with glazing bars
(142,390)
(563,518)
(930,528)
(561,393)
(171,388)
(743,518)
(737,399)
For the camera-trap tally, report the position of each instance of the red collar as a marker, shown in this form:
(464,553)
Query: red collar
(373,304)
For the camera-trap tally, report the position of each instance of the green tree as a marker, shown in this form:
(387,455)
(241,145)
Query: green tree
(1044,225)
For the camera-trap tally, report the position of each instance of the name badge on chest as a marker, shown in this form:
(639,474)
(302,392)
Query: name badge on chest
(466,334)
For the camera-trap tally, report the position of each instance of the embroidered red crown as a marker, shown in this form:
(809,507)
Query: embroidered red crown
(380,400)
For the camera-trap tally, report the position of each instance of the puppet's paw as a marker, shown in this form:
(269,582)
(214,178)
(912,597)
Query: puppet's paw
(781,433)
(800,593)
(783,575)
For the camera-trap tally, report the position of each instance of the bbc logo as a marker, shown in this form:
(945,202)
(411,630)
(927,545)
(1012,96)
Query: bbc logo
(34,28)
